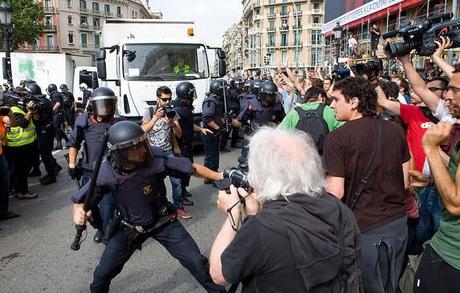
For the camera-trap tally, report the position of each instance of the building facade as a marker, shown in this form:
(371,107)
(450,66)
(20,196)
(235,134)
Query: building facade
(232,44)
(75,26)
(282,32)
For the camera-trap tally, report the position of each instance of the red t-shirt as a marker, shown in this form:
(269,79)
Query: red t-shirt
(417,124)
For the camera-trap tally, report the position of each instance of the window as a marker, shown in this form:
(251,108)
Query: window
(83,21)
(271,2)
(316,19)
(83,4)
(132,14)
(284,24)
(95,7)
(271,40)
(48,21)
(49,42)
(97,41)
(284,40)
(70,35)
(96,22)
(297,38)
(69,19)
(316,37)
(272,10)
(284,57)
(48,4)
(298,22)
(118,10)
(315,56)
(106,8)
(271,25)
(284,10)
(69,3)
(298,7)
(84,40)
(316,5)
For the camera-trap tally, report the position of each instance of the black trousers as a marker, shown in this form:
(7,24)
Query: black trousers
(187,152)
(211,151)
(34,156)
(58,121)
(435,275)
(4,185)
(177,242)
(19,165)
(45,148)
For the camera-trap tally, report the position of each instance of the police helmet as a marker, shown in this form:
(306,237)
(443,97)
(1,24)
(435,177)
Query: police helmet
(185,91)
(268,92)
(248,85)
(51,88)
(34,89)
(128,146)
(103,102)
(63,87)
(255,86)
(217,87)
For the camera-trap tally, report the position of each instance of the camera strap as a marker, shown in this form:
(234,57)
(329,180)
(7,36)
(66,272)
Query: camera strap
(370,169)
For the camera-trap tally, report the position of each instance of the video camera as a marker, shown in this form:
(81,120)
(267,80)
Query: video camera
(371,68)
(13,98)
(238,178)
(420,36)
(340,73)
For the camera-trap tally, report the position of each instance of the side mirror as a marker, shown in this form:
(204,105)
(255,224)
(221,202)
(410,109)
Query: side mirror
(220,54)
(101,66)
(94,80)
(222,67)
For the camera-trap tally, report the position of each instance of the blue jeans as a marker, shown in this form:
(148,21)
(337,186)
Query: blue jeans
(211,151)
(176,185)
(429,213)
(103,212)
(177,242)
(4,185)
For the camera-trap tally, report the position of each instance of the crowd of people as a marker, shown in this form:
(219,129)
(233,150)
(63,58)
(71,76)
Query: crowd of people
(343,181)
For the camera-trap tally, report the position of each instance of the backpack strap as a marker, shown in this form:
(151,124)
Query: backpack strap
(370,169)
(319,111)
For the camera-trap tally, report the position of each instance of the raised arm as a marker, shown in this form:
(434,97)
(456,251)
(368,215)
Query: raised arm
(444,44)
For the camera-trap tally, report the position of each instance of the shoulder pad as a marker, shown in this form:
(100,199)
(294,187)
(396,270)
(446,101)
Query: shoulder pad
(82,120)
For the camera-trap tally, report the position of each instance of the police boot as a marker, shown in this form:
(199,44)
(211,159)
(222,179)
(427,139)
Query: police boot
(48,179)
(57,169)
(98,236)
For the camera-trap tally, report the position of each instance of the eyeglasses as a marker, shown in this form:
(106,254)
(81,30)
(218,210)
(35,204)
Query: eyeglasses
(166,99)
(454,89)
(433,89)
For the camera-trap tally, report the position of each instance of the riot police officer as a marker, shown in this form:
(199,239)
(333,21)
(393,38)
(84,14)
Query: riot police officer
(186,94)
(135,173)
(43,120)
(90,128)
(69,106)
(58,114)
(213,111)
(233,103)
(264,110)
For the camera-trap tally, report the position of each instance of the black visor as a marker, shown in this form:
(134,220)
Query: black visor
(104,107)
(132,157)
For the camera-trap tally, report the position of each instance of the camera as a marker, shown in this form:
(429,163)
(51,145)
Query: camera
(12,98)
(340,73)
(238,178)
(169,111)
(371,68)
(420,36)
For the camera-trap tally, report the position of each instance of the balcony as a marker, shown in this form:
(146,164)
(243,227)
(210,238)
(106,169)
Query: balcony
(108,14)
(119,15)
(50,49)
(48,28)
(284,13)
(271,15)
(297,27)
(297,13)
(97,12)
(258,17)
(316,25)
(284,27)
(84,10)
(85,27)
(271,45)
(271,29)
(49,9)
(97,27)
(317,11)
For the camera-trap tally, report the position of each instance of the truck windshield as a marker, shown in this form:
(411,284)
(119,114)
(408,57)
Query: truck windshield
(164,62)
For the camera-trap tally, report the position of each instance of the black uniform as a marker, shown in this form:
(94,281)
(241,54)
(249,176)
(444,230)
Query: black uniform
(89,130)
(45,134)
(69,101)
(213,110)
(185,111)
(58,116)
(233,108)
(140,198)
(86,96)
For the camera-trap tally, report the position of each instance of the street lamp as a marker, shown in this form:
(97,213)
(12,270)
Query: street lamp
(338,38)
(5,19)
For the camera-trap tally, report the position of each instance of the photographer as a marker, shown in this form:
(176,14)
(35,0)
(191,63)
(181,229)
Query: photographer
(21,137)
(292,224)
(161,124)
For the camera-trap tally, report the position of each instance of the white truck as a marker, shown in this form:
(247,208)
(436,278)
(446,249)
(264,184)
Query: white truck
(46,68)
(140,55)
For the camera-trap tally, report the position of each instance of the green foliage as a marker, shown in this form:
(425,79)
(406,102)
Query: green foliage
(26,26)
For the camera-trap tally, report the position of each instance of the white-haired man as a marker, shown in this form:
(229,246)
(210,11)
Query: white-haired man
(290,240)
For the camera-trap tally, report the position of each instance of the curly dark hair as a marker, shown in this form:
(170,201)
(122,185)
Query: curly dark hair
(390,88)
(362,89)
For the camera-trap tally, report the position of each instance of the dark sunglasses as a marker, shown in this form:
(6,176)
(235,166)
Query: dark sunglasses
(166,99)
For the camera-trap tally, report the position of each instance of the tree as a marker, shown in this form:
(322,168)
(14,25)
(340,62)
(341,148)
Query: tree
(26,23)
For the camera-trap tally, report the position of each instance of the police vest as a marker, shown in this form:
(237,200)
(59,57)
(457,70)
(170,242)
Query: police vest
(18,136)
(183,69)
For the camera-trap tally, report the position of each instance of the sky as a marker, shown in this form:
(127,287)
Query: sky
(212,17)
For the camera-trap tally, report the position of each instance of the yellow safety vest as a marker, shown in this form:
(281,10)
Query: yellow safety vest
(184,69)
(18,136)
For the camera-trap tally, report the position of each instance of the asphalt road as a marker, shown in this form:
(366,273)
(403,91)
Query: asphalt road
(35,254)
